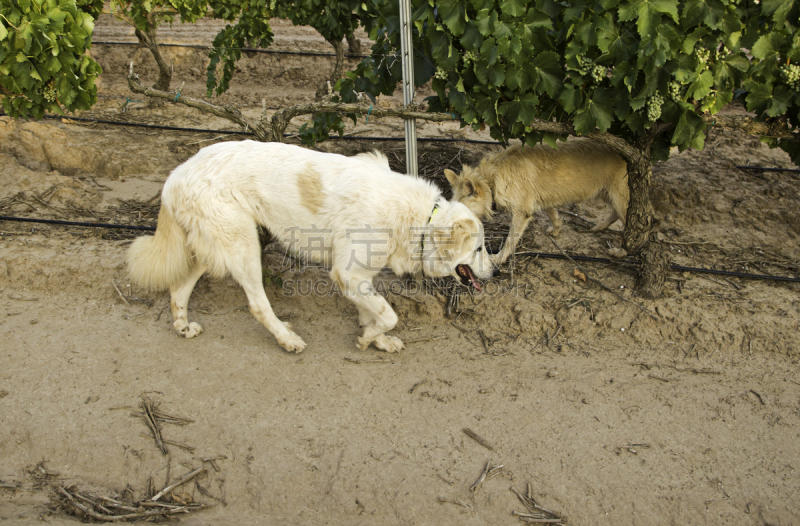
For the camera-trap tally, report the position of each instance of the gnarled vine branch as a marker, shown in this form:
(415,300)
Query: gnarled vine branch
(272,129)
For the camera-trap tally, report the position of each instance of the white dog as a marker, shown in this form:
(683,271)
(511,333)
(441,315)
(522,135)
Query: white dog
(352,213)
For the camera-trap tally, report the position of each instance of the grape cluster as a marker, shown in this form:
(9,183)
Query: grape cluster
(468,57)
(584,62)
(654,107)
(722,53)
(440,74)
(790,74)
(272,4)
(675,89)
(599,73)
(702,54)
(49,91)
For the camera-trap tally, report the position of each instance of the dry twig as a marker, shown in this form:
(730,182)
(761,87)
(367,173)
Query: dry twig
(186,478)
(457,502)
(474,436)
(536,513)
(151,422)
(481,478)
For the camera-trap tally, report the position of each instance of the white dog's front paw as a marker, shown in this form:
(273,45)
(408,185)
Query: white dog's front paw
(291,341)
(362,344)
(389,343)
(187,330)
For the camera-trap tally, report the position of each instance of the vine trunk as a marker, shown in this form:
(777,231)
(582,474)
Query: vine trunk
(149,39)
(336,74)
(639,238)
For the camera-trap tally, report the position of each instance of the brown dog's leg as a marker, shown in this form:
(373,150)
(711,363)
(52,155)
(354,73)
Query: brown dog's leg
(519,222)
(607,222)
(618,196)
(552,213)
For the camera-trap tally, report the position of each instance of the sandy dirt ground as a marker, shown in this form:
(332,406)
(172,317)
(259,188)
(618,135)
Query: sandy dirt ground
(682,410)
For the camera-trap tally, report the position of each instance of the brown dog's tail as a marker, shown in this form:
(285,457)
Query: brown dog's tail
(157,262)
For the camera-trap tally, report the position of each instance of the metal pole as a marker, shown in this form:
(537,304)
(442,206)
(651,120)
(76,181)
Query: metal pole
(407,58)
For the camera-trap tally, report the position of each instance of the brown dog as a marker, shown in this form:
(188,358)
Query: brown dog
(524,180)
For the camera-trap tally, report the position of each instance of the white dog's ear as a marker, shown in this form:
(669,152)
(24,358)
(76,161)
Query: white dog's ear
(462,224)
(452,177)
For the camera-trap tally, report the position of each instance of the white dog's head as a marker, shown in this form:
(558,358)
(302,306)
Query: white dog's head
(453,245)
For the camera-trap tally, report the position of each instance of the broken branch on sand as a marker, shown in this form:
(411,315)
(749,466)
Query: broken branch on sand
(536,513)
(488,472)
(151,422)
(88,505)
(187,447)
(481,478)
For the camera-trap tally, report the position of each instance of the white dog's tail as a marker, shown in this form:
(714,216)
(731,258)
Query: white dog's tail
(162,260)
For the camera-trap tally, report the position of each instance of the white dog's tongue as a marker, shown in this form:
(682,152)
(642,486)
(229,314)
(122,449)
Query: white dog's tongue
(471,276)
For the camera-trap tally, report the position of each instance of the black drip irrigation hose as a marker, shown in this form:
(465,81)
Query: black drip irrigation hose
(156,126)
(232,132)
(76,223)
(765,169)
(250,49)
(679,268)
(142,125)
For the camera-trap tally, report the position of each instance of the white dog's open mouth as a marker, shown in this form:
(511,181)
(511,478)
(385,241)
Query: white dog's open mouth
(467,277)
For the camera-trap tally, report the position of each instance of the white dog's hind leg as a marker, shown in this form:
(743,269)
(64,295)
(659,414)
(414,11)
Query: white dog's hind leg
(244,264)
(179,303)
(262,311)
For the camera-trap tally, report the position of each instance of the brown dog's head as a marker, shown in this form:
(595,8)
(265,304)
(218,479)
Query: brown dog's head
(472,188)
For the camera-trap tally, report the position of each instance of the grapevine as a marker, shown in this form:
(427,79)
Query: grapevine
(43,62)
(539,74)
